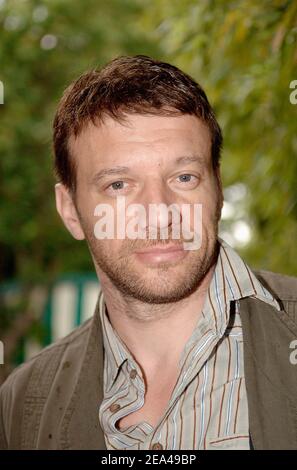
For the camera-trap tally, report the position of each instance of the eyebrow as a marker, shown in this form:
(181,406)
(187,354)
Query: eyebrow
(125,169)
(110,171)
(190,159)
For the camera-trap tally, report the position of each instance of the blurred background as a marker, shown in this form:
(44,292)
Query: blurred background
(243,53)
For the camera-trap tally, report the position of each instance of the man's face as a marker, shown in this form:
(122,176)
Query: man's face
(148,160)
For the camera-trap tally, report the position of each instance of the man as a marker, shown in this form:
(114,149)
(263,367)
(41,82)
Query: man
(188,348)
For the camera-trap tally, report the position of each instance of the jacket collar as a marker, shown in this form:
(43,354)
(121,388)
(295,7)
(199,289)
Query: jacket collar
(270,379)
(81,419)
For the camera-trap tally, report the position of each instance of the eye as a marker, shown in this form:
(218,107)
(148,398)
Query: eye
(116,186)
(187,178)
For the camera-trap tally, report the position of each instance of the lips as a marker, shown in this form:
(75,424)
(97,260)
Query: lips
(158,254)
(160,249)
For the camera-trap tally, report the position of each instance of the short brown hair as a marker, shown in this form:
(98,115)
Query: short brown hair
(127,85)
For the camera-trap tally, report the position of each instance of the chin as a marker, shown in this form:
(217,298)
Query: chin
(161,296)
(163,287)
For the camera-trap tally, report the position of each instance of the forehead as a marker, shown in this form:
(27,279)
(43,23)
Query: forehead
(146,137)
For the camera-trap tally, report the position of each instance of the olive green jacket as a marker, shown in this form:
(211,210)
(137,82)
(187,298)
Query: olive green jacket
(52,401)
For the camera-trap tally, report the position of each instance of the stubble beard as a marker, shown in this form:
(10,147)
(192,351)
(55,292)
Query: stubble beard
(163,283)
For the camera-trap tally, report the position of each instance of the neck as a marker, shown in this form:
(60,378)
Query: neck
(154,334)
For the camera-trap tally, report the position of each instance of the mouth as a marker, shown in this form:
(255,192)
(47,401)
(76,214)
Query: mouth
(159,253)
(160,249)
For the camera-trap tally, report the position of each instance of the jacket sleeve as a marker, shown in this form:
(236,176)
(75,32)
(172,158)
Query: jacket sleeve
(25,392)
(6,411)
(3,401)
(12,393)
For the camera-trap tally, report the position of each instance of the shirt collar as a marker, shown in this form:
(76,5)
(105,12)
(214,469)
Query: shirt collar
(240,281)
(115,350)
(232,280)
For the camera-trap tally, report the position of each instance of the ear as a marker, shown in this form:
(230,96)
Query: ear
(67,210)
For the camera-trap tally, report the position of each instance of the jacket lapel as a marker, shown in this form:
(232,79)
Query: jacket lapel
(81,427)
(271,382)
(271,379)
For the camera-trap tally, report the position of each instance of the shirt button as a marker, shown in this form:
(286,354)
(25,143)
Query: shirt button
(157,446)
(133,373)
(114,407)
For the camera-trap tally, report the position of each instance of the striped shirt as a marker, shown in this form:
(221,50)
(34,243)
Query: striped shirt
(208,406)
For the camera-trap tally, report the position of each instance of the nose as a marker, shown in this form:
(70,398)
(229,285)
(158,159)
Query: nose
(160,207)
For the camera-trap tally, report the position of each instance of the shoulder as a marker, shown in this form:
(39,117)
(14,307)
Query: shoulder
(281,286)
(74,339)
(34,378)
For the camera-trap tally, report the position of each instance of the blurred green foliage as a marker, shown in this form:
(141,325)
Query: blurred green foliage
(243,53)
(34,244)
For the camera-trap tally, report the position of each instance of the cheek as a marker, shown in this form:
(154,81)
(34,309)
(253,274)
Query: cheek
(211,204)
(207,211)
(113,248)
(87,202)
